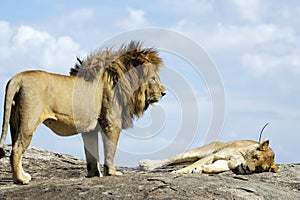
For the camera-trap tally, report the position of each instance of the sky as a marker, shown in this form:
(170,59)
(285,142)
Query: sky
(254,45)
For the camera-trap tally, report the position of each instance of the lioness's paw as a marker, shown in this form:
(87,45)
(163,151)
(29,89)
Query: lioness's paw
(198,170)
(118,173)
(147,165)
(182,171)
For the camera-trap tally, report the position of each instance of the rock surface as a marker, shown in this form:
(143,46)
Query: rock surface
(60,176)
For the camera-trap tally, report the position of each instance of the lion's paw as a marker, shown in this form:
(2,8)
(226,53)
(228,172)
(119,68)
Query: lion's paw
(24,179)
(112,172)
(91,174)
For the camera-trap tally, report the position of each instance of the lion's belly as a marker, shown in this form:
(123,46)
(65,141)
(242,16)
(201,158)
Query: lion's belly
(69,127)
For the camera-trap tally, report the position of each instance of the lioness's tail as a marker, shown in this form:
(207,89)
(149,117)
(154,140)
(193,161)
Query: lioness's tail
(12,88)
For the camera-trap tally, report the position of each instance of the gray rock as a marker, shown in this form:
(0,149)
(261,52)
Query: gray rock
(60,176)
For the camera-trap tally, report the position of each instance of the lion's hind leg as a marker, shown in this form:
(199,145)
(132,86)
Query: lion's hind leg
(19,145)
(22,128)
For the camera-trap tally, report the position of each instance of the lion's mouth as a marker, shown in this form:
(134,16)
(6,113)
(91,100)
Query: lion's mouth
(153,102)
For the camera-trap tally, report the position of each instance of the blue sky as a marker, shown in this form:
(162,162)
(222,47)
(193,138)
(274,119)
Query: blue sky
(254,45)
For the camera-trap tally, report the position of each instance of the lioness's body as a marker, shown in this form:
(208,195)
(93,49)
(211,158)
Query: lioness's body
(105,92)
(245,156)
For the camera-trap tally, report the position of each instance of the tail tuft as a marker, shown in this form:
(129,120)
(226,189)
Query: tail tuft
(2,152)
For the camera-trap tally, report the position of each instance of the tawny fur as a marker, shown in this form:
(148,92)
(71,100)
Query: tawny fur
(241,156)
(106,91)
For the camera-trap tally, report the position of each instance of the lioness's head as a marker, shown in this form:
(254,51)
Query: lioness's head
(259,159)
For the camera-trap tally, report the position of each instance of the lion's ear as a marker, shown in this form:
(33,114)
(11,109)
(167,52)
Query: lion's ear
(264,145)
(274,168)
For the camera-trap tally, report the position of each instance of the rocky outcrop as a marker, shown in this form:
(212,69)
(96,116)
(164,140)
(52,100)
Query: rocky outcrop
(60,176)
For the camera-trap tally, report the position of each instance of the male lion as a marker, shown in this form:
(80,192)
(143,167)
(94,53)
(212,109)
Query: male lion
(241,156)
(105,92)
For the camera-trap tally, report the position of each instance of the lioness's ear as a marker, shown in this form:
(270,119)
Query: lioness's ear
(264,145)
(274,168)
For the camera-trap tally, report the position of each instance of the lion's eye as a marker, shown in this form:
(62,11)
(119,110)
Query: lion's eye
(153,80)
(255,157)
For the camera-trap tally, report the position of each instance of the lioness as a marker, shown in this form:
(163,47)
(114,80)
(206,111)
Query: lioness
(241,156)
(104,93)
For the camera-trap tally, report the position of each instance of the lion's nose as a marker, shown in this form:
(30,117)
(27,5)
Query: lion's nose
(163,93)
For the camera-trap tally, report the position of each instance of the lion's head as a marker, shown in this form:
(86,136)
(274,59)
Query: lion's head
(259,159)
(130,76)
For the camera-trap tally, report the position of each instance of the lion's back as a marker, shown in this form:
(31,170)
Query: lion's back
(41,88)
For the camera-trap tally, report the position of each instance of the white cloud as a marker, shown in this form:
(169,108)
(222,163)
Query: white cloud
(27,47)
(275,110)
(263,49)
(222,37)
(135,19)
(266,64)
(232,36)
(27,38)
(249,10)
(187,7)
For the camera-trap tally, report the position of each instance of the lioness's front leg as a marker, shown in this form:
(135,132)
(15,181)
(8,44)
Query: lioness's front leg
(110,137)
(203,161)
(216,167)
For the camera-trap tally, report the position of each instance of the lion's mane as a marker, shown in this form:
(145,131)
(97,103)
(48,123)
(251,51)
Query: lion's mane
(125,73)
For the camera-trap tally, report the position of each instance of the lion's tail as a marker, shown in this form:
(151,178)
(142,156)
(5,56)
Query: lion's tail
(12,88)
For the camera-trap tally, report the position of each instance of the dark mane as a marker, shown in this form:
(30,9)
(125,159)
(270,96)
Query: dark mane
(124,74)
(127,57)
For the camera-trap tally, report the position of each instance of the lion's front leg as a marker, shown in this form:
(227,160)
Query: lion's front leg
(91,149)
(110,137)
